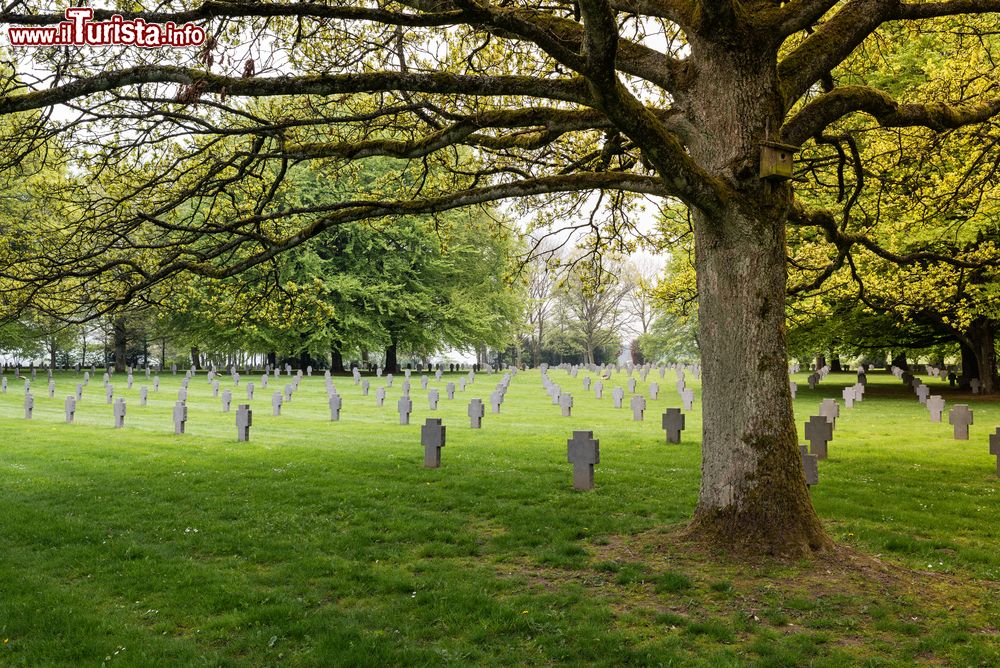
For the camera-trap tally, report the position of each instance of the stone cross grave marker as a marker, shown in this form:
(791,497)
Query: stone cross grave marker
(119,413)
(638,406)
(365,384)
(250,390)
(631,385)
(70,408)
(583,451)
(244,420)
(995,448)
(598,390)
(263,380)
(586,384)
(673,424)
(960,418)
(129,381)
(450,390)
(922,393)
(618,394)
(496,400)
(654,391)
(227,400)
(143,395)
(794,387)
(52,389)
(388,380)
(432,437)
(215,389)
(182,394)
(461,384)
(813,379)
(379,396)
(405,407)
(433,396)
(819,432)
(566,404)
(3,384)
(406,388)
(973,384)
(830,409)
(276,403)
(423,382)
(335,403)
(156,383)
(687,399)
(79,391)
(180,417)
(810,466)
(109,393)
(475,412)
(288,393)
(848,394)
(935,404)
(29,405)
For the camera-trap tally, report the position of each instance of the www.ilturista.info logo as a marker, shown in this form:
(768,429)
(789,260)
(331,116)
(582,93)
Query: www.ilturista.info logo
(79,29)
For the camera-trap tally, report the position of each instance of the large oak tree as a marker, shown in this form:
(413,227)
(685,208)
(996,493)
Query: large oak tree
(519,99)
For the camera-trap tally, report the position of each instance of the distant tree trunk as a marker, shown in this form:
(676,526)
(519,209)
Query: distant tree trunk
(272,359)
(145,351)
(83,348)
(391,365)
(52,354)
(835,362)
(196,357)
(121,343)
(304,360)
(163,353)
(820,361)
(336,360)
(899,359)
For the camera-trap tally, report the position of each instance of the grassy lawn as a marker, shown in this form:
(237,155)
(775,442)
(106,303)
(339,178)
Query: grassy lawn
(325,543)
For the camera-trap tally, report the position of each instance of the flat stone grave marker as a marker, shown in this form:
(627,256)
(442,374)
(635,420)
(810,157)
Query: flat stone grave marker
(433,396)
(180,417)
(687,399)
(276,403)
(819,432)
(405,407)
(119,413)
(830,409)
(638,405)
(143,395)
(227,400)
(618,394)
(995,447)
(244,420)
(432,437)
(335,403)
(70,408)
(583,451)
(29,405)
(960,418)
(935,404)
(566,404)
(476,411)
(379,396)
(810,466)
(673,424)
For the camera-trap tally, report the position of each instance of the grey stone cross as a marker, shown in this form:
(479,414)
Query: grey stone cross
(70,408)
(244,420)
(52,389)
(432,437)
(379,396)
(227,400)
(935,404)
(654,391)
(819,432)
(29,405)
(995,447)
(638,406)
(276,403)
(143,395)
(583,451)
(618,394)
(450,390)
(109,393)
(405,407)
(335,403)
(830,409)
(119,413)
(475,412)
(180,417)
(673,424)
(960,417)
(250,390)
(566,404)
(433,396)
(810,466)
(598,390)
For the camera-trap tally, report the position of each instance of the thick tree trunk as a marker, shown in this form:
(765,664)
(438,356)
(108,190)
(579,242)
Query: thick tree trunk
(272,359)
(979,356)
(121,343)
(835,363)
(753,491)
(52,354)
(336,360)
(196,357)
(391,363)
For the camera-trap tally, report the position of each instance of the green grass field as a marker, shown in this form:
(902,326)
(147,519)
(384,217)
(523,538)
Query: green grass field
(325,543)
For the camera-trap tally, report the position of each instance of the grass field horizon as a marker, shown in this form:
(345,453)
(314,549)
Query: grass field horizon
(328,543)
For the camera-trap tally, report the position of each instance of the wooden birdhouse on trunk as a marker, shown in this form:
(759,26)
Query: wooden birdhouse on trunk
(776,160)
